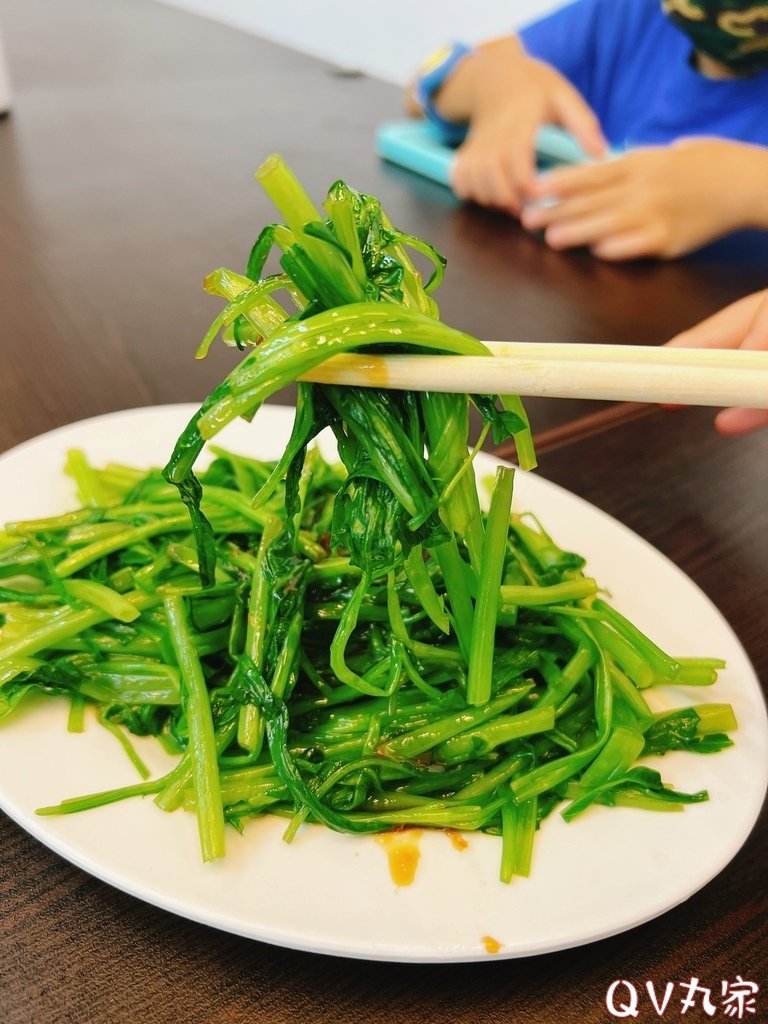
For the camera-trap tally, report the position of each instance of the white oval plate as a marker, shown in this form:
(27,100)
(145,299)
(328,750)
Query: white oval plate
(604,873)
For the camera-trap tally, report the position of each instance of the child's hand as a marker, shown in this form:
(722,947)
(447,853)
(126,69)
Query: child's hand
(661,201)
(744,324)
(497,163)
(506,96)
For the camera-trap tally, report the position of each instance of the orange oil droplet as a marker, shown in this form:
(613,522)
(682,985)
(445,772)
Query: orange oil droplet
(492,945)
(403,853)
(457,839)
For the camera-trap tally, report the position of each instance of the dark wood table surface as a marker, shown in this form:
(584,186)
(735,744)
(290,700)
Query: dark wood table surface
(125,175)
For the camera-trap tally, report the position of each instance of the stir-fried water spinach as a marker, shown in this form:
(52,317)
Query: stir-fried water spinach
(358,645)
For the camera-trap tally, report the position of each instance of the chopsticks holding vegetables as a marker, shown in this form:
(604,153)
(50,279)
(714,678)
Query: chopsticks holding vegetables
(716,377)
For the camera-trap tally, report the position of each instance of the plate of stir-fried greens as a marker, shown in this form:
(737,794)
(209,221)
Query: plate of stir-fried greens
(336,679)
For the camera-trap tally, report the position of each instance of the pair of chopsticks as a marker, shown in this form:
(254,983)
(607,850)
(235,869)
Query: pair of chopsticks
(625,373)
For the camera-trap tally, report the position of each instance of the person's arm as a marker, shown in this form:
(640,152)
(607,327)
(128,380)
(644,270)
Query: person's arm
(504,96)
(743,324)
(661,201)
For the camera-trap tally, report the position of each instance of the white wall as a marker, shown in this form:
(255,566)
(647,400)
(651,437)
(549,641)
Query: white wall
(386,40)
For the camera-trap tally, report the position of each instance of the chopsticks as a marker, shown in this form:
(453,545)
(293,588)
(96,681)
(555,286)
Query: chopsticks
(679,376)
(585,426)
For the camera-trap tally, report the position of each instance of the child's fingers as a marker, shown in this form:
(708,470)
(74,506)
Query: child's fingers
(535,217)
(727,328)
(575,115)
(757,336)
(495,166)
(627,245)
(497,187)
(569,181)
(460,176)
(733,422)
(743,324)
(482,176)
(591,229)
(520,164)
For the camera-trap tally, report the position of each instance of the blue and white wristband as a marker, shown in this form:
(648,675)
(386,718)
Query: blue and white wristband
(434,72)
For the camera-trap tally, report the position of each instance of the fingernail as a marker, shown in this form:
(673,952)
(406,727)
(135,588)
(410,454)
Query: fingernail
(543,203)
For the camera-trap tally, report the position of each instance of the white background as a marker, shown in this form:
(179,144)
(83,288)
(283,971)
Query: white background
(385,40)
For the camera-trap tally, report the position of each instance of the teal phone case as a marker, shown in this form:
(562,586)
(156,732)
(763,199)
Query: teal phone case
(417,145)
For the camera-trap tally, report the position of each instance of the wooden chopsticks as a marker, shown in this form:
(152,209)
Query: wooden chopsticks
(679,376)
(592,424)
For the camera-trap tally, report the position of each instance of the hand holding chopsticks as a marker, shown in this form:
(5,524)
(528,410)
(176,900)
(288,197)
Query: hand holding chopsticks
(742,325)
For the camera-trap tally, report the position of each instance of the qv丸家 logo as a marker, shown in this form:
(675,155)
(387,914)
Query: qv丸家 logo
(733,999)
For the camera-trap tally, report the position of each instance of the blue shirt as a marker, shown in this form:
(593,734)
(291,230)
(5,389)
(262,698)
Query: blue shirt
(633,67)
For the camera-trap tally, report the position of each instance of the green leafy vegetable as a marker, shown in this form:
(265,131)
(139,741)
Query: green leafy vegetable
(357,645)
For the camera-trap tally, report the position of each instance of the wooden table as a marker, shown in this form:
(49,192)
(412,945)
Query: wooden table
(124,177)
